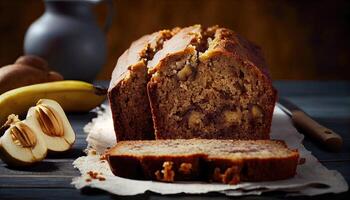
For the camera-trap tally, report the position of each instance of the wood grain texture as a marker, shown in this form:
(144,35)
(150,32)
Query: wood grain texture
(327,102)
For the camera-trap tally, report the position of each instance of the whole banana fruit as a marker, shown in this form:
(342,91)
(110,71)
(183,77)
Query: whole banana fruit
(73,96)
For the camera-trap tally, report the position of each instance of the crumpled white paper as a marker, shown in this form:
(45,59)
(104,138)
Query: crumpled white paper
(312,177)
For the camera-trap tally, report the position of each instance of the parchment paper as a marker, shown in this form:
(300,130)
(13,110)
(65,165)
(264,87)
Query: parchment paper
(312,177)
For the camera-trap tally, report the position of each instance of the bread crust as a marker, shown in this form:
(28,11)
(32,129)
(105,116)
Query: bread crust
(132,67)
(201,164)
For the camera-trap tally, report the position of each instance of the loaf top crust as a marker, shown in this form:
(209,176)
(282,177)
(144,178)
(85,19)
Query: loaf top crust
(216,40)
(182,40)
(130,57)
(139,52)
(213,149)
(229,42)
(209,42)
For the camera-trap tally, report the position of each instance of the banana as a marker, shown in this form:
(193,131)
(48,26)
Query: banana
(73,96)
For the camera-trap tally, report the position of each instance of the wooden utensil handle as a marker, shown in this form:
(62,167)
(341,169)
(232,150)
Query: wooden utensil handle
(325,136)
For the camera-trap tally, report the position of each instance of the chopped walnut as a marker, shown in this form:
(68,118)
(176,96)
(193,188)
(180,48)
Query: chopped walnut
(184,73)
(257,111)
(195,119)
(103,157)
(167,174)
(230,176)
(231,117)
(185,168)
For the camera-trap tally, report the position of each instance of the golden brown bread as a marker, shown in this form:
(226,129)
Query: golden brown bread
(210,83)
(226,161)
(193,82)
(127,91)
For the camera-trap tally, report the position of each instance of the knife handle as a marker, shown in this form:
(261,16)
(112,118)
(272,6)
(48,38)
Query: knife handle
(325,136)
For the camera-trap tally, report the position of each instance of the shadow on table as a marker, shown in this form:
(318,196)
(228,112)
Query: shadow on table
(44,166)
(210,196)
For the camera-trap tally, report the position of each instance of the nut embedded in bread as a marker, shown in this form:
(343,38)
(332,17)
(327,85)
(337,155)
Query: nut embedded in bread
(225,161)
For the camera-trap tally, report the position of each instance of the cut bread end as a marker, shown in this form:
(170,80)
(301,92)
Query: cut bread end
(210,85)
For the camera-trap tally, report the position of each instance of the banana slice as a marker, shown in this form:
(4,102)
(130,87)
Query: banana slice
(23,143)
(57,131)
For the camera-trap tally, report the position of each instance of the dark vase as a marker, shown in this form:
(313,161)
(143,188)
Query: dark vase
(69,38)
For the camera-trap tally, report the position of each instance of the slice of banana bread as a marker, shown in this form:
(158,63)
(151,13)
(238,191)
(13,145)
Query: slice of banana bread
(225,161)
(210,83)
(128,88)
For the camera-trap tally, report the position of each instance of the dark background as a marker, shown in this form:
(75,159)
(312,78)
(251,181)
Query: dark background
(300,39)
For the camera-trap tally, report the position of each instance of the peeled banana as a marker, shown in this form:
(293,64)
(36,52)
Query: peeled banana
(73,96)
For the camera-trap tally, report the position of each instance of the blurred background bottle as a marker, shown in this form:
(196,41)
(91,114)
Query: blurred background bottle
(69,38)
(301,40)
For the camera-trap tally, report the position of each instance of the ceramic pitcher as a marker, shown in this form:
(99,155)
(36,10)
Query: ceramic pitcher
(69,38)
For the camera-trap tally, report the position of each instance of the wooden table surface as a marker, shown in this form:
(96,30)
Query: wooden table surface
(327,102)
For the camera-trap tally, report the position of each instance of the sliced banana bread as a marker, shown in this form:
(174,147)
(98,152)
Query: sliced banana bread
(195,83)
(128,88)
(210,83)
(226,161)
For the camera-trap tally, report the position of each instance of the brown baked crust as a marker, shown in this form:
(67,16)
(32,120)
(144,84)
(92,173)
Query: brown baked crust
(127,91)
(173,100)
(206,160)
(147,168)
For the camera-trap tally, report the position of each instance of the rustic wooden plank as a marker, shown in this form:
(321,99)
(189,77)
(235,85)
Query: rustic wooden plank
(53,167)
(79,120)
(75,152)
(322,154)
(95,194)
(50,194)
(342,167)
(312,88)
(326,107)
(36,181)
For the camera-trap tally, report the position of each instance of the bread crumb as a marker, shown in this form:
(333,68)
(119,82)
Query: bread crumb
(301,161)
(92,152)
(103,157)
(195,120)
(95,175)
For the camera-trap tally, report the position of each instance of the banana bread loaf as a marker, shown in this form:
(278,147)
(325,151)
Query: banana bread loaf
(200,82)
(210,83)
(226,161)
